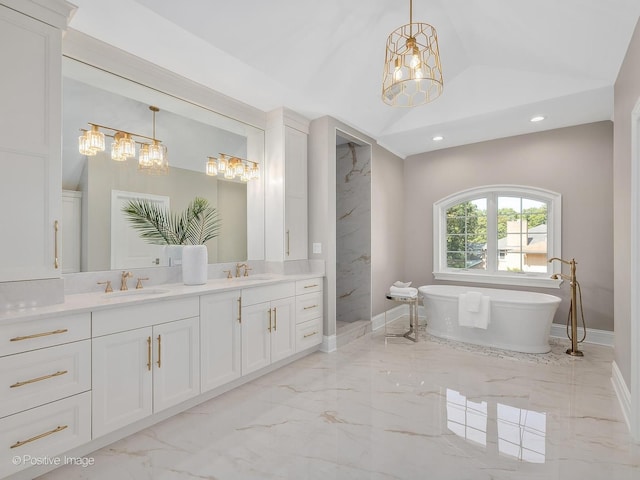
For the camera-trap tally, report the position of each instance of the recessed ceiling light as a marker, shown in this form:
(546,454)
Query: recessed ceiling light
(437,138)
(537,118)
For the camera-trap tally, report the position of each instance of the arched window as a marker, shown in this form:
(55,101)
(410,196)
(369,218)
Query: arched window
(503,234)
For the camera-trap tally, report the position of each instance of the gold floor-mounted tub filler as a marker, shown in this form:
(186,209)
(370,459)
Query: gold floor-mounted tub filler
(573,308)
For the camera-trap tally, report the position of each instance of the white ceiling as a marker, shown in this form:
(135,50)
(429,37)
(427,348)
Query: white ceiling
(503,60)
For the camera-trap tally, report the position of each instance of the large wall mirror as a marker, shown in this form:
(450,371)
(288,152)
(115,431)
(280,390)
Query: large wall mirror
(95,236)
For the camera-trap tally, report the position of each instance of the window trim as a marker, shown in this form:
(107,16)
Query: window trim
(491,193)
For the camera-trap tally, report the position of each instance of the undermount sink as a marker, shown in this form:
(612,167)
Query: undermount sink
(137,292)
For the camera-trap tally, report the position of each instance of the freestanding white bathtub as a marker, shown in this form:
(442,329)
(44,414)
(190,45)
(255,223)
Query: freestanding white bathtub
(519,321)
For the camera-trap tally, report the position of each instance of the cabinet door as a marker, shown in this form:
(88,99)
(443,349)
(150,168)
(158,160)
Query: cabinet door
(283,331)
(176,374)
(295,207)
(220,339)
(256,337)
(122,379)
(30,158)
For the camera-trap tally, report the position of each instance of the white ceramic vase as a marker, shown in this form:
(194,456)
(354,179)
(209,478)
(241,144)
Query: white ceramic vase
(194,264)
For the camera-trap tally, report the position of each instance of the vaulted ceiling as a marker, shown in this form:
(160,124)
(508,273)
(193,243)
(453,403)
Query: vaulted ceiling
(504,61)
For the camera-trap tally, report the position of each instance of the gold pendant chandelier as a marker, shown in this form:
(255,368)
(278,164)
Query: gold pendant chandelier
(152,157)
(412,70)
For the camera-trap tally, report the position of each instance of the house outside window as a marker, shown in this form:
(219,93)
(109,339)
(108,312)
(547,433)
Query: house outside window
(501,234)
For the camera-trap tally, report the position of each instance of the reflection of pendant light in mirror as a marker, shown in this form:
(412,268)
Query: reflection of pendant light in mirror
(153,158)
(412,71)
(123,147)
(212,167)
(231,167)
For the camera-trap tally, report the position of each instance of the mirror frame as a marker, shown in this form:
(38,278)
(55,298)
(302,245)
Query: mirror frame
(80,47)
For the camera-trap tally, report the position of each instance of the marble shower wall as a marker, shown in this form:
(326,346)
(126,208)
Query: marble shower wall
(353,232)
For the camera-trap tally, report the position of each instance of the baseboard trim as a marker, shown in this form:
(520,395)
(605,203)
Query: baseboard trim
(595,336)
(622,392)
(378,321)
(329,344)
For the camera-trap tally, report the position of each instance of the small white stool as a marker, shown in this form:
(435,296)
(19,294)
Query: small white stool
(413,317)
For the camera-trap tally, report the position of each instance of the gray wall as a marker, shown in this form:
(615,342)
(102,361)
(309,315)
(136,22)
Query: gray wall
(626,94)
(575,162)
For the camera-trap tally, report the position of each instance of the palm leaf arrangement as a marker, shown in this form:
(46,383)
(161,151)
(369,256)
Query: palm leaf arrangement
(157,225)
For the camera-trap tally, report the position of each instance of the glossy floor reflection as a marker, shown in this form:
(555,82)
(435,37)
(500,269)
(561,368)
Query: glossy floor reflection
(393,410)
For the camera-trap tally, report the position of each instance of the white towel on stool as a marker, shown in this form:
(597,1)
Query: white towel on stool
(400,284)
(469,318)
(403,291)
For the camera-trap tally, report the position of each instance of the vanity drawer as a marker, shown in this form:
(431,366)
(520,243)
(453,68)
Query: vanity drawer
(254,295)
(308,286)
(44,432)
(132,317)
(308,306)
(41,376)
(308,334)
(25,335)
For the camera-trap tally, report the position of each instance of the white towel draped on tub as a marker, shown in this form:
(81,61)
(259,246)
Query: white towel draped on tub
(474,310)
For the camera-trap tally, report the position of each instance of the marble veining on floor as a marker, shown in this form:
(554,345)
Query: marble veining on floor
(393,410)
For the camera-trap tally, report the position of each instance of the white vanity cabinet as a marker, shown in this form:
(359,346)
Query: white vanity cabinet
(45,382)
(268,325)
(295,200)
(220,339)
(145,358)
(286,201)
(30,141)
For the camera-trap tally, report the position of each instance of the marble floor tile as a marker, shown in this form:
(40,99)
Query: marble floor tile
(394,409)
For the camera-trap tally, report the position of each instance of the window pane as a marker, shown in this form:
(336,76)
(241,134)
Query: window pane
(467,234)
(522,235)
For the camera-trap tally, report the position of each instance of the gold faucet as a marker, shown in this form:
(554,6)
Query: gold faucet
(573,309)
(123,280)
(239,266)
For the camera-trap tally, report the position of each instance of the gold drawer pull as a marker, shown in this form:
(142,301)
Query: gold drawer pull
(310,334)
(37,335)
(311,286)
(310,307)
(38,437)
(34,380)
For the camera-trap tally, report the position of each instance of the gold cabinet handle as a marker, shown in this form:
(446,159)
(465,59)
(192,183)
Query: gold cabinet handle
(34,380)
(239,309)
(269,329)
(37,335)
(288,243)
(56,228)
(159,351)
(149,353)
(275,319)
(310,334)
(38,437)
(311,286)
(310,307)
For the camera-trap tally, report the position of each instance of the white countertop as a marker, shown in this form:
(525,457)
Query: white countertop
(86,302)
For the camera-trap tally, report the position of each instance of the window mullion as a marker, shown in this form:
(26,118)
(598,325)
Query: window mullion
(492,233)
